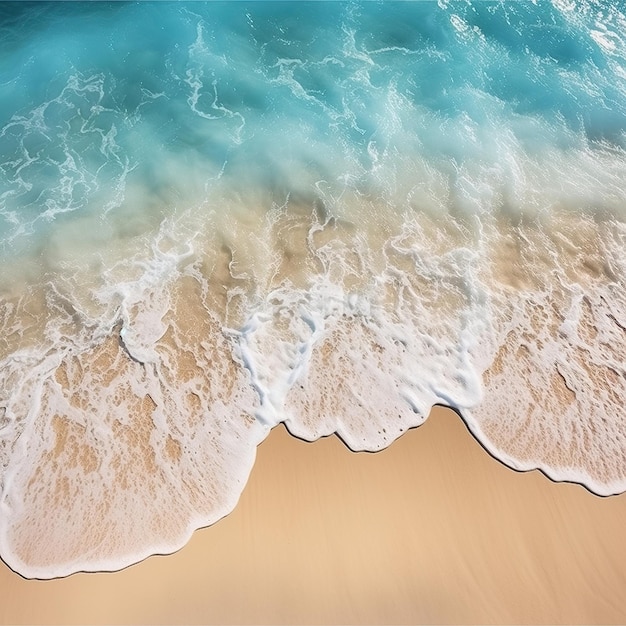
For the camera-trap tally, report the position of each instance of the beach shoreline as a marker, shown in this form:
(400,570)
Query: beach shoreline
(430,530)
(224,226)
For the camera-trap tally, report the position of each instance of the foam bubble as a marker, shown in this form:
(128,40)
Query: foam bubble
(125,449)
(554,388)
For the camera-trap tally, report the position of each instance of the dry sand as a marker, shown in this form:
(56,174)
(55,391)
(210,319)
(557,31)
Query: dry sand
(430,530)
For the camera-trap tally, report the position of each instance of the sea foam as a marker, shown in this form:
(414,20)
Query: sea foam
(219,217)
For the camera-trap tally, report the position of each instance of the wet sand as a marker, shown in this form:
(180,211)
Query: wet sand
(431,530)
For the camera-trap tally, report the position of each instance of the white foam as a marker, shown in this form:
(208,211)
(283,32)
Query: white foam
(116,449)
(132,416)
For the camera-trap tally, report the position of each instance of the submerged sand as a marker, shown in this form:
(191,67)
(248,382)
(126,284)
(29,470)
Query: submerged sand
(430,530)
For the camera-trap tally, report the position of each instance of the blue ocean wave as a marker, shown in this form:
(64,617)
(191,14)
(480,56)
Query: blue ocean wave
(217,216)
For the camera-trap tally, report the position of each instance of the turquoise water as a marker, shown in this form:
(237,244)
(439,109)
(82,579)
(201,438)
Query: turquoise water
(217,216)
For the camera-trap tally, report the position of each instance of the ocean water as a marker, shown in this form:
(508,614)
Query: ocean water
(220,216)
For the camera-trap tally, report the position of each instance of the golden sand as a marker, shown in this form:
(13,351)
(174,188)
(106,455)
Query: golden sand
(431,530)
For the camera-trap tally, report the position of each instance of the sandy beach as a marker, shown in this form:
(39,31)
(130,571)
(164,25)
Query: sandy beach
(217,218)
(431,530)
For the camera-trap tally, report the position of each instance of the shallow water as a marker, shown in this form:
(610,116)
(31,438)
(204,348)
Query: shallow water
(215,217)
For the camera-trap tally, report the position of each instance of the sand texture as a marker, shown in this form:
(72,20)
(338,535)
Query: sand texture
(431,530)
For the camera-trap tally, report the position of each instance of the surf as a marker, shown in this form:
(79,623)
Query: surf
(216,218)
